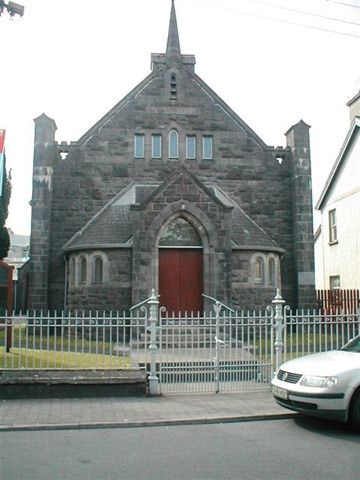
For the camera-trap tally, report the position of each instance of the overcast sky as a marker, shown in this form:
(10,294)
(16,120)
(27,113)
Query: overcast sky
(269,60)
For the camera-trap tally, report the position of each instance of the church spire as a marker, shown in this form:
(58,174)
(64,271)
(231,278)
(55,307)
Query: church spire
(173,42)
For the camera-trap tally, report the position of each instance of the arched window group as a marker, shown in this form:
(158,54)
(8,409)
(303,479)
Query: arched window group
(86,269)
(265,270)
(190,146)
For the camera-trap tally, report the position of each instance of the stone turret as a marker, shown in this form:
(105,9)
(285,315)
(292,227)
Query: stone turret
(297,138)
(45,158)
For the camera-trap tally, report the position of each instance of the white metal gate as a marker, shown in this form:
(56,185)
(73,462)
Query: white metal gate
(218,351)
(214,352)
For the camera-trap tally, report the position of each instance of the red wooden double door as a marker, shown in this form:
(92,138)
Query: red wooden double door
(181,279)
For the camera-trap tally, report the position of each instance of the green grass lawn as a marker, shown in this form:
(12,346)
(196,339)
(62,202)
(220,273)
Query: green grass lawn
(28,358)
(72,350)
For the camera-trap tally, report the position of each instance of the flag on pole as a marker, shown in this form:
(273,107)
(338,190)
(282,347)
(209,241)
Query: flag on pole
(2,159)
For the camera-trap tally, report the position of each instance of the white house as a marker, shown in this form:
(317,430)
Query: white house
(337,243)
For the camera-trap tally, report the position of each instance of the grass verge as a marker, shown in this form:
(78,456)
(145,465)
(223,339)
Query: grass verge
(30,358)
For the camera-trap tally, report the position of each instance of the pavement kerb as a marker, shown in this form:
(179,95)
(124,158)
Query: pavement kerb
(146,423)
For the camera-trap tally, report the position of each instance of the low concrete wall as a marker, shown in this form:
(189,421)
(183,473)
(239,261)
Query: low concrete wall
(19,383)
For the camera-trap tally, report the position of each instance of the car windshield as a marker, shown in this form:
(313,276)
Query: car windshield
(352,346)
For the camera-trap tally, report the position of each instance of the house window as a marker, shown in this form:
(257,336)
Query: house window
(332,226)
(98,270)
(139,145)
(173,144)
(156,146)
(191,147)
(83,270)
(259,276)
(207,147)
(271,271)
(335,282)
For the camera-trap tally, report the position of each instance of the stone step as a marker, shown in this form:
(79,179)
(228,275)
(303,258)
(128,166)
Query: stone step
(181,336)
(183,343)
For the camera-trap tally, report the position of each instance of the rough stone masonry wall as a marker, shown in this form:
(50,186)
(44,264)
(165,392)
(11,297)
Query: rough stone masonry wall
(115,290)
(246,296)
(183,195)
(95,172)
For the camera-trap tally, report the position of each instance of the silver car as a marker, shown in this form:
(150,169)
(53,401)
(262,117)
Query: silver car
(323,384)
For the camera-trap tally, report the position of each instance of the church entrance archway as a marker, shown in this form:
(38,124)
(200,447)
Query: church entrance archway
(181,267)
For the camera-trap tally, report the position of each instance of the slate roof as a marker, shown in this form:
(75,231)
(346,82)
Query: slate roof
(246,234)
(112,227)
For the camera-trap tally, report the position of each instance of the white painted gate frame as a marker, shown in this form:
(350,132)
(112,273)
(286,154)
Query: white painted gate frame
(218,351)
(269,338)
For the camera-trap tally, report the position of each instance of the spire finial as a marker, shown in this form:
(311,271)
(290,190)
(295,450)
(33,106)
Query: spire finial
(173,42)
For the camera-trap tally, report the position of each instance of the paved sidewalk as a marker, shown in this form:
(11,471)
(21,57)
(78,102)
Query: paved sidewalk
(66,413)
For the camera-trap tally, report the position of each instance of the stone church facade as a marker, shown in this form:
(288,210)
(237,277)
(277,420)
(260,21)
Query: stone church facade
(170,190)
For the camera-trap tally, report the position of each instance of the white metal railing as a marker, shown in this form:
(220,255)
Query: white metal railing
(308,332)
(215,351)
(77,340)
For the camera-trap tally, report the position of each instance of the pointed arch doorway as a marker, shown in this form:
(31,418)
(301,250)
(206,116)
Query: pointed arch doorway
(181,267)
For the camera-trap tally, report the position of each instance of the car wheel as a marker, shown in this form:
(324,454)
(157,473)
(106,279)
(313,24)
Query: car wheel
(354,416)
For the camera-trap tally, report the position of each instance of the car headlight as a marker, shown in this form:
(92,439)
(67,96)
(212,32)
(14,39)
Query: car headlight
(313,381)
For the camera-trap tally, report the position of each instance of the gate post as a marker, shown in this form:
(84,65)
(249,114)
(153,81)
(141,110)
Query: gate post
(153,320)
(279,326)
(217,308)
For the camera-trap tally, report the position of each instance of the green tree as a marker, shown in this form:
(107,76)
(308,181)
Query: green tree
(4,210)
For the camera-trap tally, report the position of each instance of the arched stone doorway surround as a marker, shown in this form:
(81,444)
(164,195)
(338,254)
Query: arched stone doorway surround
(204,228)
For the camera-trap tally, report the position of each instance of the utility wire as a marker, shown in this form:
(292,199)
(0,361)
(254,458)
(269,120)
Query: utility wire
(345,4)
(298,24)
(303,12)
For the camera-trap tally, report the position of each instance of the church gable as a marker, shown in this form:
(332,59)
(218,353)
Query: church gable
(182,194)
(171,153)
(183,185)
(172,96)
